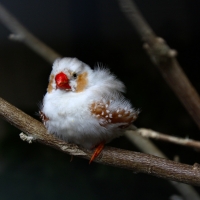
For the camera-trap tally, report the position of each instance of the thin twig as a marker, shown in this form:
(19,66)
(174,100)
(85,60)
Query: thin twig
(148,133)
(138,162)
(20,33)
(164,58)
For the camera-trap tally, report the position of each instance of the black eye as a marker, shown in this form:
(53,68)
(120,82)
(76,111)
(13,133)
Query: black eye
(74,75)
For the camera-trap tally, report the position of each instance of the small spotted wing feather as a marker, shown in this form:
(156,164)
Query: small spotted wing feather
(106,115)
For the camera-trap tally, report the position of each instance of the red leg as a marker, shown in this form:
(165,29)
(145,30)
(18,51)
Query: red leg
(97,151)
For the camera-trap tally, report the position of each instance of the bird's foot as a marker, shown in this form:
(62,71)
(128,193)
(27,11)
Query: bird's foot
(43,117)
(97,151)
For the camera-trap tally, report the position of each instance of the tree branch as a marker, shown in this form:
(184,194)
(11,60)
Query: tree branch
(148,133)
(164,58)
(144,144)
(20,33)
(138,162)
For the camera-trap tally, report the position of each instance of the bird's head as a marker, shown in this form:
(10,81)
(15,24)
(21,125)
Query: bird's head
(69,74)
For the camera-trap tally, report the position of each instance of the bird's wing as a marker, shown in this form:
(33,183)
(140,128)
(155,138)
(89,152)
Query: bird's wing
(121,117)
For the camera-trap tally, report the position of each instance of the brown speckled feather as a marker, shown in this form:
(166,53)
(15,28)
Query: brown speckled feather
(107,116)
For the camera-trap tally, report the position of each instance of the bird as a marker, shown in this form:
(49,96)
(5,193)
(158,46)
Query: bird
(85,106)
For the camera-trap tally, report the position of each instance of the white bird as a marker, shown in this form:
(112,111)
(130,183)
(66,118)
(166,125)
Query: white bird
(85,106)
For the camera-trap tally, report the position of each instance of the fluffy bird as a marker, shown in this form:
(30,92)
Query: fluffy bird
(85,106)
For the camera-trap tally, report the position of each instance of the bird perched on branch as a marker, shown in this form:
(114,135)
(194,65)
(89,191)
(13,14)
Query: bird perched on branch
(85,106)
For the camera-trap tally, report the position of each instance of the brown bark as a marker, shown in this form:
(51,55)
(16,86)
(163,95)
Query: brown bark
(138,162)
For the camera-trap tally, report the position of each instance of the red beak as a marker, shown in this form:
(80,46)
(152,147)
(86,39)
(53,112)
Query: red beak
(62,81)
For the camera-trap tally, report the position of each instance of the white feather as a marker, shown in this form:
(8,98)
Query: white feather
(69,112)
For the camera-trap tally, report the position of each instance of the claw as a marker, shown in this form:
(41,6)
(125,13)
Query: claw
(43,117)
(97,151)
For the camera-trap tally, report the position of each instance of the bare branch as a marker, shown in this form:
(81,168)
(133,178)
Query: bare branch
(146,146)
(164,58)
(138,162)
(20,33)
(148,133)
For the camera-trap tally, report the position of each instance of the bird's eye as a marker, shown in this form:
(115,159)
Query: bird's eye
(74,75)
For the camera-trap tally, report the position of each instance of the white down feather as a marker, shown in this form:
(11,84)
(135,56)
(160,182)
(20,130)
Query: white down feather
(69,114)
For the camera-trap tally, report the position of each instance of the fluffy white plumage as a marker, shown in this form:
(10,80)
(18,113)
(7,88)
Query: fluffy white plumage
(89,107)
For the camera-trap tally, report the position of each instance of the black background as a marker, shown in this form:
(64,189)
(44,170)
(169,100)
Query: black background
(95,31)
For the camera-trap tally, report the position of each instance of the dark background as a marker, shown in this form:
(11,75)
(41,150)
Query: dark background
(95,31)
